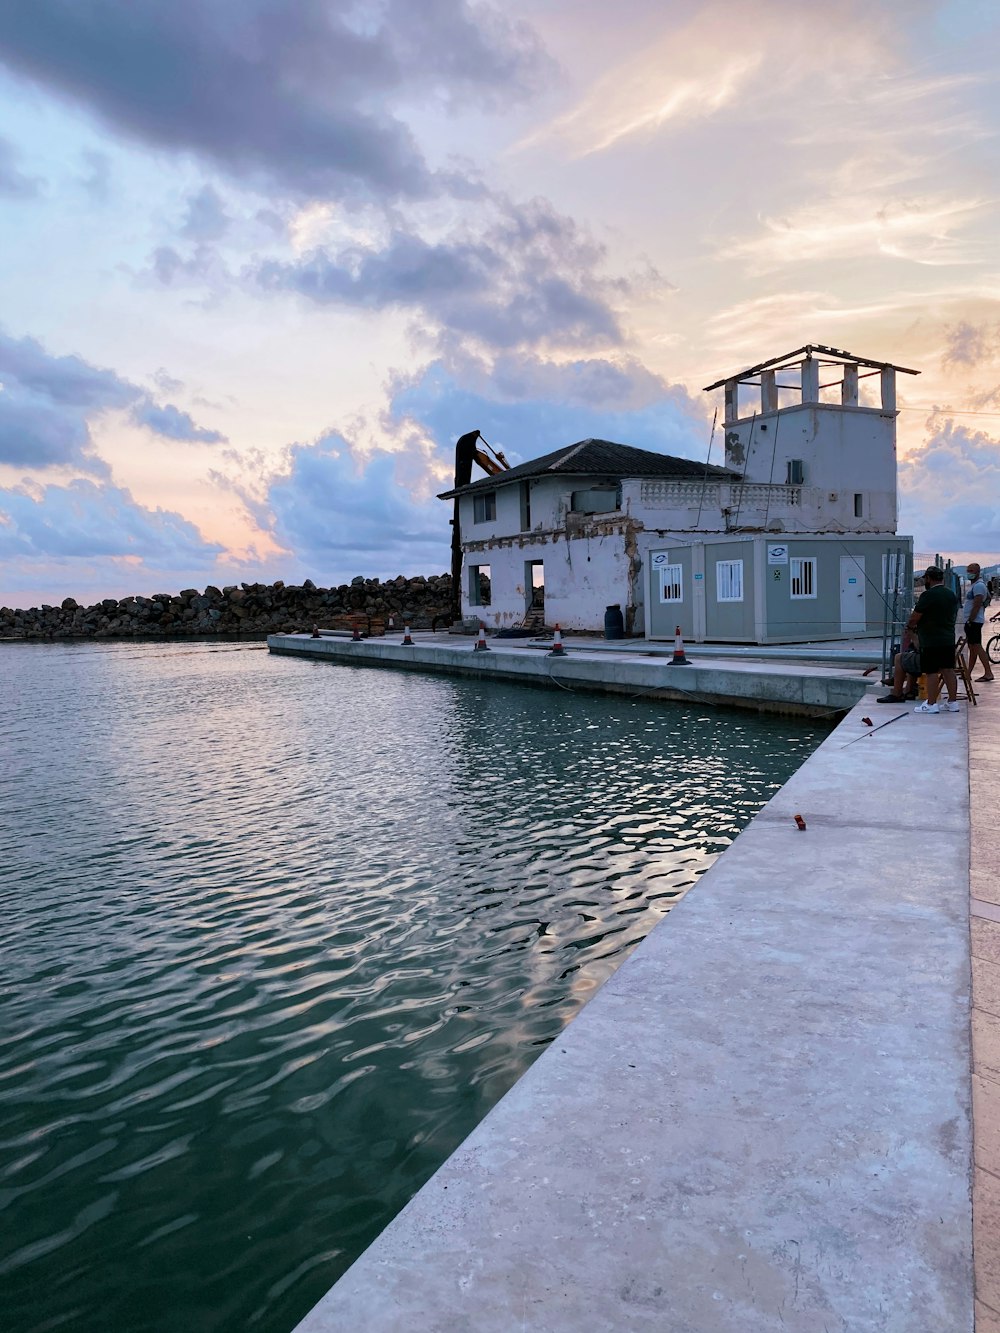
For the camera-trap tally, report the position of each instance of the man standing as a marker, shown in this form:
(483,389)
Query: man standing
(975,616)
(933,618)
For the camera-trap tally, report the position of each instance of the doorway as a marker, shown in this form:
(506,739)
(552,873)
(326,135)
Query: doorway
(853,614)
(534,589)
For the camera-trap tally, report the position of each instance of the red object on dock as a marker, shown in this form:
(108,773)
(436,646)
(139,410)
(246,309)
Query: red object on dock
(678,658)
(481,646)
(800,823)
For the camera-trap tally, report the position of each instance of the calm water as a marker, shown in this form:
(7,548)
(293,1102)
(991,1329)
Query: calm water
(277,934)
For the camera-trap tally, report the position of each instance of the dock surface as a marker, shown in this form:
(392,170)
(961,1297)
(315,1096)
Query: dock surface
(766,684)
(763,1120)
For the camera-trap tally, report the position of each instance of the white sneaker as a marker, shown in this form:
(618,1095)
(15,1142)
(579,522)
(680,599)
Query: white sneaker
(952,706)
(927,708)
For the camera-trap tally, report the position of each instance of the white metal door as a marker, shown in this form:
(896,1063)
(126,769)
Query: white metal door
(853,618)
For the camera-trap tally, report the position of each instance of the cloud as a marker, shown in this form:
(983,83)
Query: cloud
(14,184)
(526,276)
(970,345)
(37,432)
(341,515)
(527,406)
(302,95)
(920,228)
(207,219)
(646,98)
(97,180)
(47,404)
(204,267)
(791,319)
(67,380)
(174,424)
(85,520)
(950,491)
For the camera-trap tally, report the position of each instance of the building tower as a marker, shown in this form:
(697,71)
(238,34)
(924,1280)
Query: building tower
(815,422)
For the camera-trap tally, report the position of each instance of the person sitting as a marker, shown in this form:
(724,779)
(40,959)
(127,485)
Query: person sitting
(905,671)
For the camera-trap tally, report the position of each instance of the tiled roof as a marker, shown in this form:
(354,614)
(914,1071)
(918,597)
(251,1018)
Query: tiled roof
(599,458)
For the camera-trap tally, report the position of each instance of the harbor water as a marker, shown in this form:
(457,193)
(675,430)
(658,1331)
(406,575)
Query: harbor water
(277,934)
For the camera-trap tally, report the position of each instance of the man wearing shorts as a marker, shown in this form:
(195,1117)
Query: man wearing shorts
(975,616)
(933,618)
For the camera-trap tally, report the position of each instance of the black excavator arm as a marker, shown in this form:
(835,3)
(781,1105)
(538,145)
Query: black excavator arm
(467,452)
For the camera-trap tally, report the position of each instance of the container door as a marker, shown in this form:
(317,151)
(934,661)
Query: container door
(853,616)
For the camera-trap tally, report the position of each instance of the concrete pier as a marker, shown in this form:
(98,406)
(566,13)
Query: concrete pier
(984,783)
(791,687)
(763,1120)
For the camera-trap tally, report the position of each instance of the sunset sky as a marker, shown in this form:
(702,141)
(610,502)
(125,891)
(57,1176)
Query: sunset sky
(264,260)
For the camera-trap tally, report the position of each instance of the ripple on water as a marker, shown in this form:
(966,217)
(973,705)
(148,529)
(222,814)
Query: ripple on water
(277,935)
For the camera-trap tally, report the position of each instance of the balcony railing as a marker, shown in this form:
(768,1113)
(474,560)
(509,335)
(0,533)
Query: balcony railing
(715,495)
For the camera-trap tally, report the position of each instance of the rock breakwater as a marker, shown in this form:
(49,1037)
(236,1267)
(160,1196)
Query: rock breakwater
(247,608)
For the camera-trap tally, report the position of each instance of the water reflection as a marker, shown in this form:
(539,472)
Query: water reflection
(278,934)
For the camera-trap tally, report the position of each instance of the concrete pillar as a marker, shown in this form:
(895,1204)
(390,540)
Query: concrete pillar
(888,389)
(732,402)
(810,380)
(849,388)
(768,392)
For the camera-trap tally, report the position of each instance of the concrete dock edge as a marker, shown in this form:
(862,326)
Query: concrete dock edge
(763,1119)
(791,688)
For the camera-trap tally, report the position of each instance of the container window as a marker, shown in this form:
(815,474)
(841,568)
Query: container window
(859,504)
(671,583)
(729,580)
(894,573)
(803,572)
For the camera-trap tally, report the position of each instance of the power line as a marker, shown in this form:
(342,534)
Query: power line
(947,411)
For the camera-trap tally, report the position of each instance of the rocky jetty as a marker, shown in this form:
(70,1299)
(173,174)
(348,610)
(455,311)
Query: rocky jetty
(248,609)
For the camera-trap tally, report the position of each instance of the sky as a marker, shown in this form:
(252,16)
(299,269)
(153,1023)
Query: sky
(263,261)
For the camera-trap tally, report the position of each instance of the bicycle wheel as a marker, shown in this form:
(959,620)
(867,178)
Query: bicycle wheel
(993,649)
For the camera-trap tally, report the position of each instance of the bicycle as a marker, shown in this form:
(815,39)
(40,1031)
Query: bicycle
(993,646)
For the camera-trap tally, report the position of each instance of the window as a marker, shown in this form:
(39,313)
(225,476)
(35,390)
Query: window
(484,507)
(729,580)
(479,585)
(795,473)
(803,573)
(671,583)
(894,573)
(859,505)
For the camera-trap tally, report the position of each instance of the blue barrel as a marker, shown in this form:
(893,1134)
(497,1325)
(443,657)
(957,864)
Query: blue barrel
(614,625)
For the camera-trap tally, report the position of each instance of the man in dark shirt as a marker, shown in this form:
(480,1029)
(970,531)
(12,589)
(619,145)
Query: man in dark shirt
(933,619)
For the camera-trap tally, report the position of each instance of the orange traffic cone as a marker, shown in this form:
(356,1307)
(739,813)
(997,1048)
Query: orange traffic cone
(678,658)
(481,645)
(557,644)
(407,641)
(356,636)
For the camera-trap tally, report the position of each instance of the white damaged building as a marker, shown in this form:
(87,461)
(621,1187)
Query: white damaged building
(794,538)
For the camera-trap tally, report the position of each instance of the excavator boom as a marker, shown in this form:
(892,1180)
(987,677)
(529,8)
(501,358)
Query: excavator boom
(467,452)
